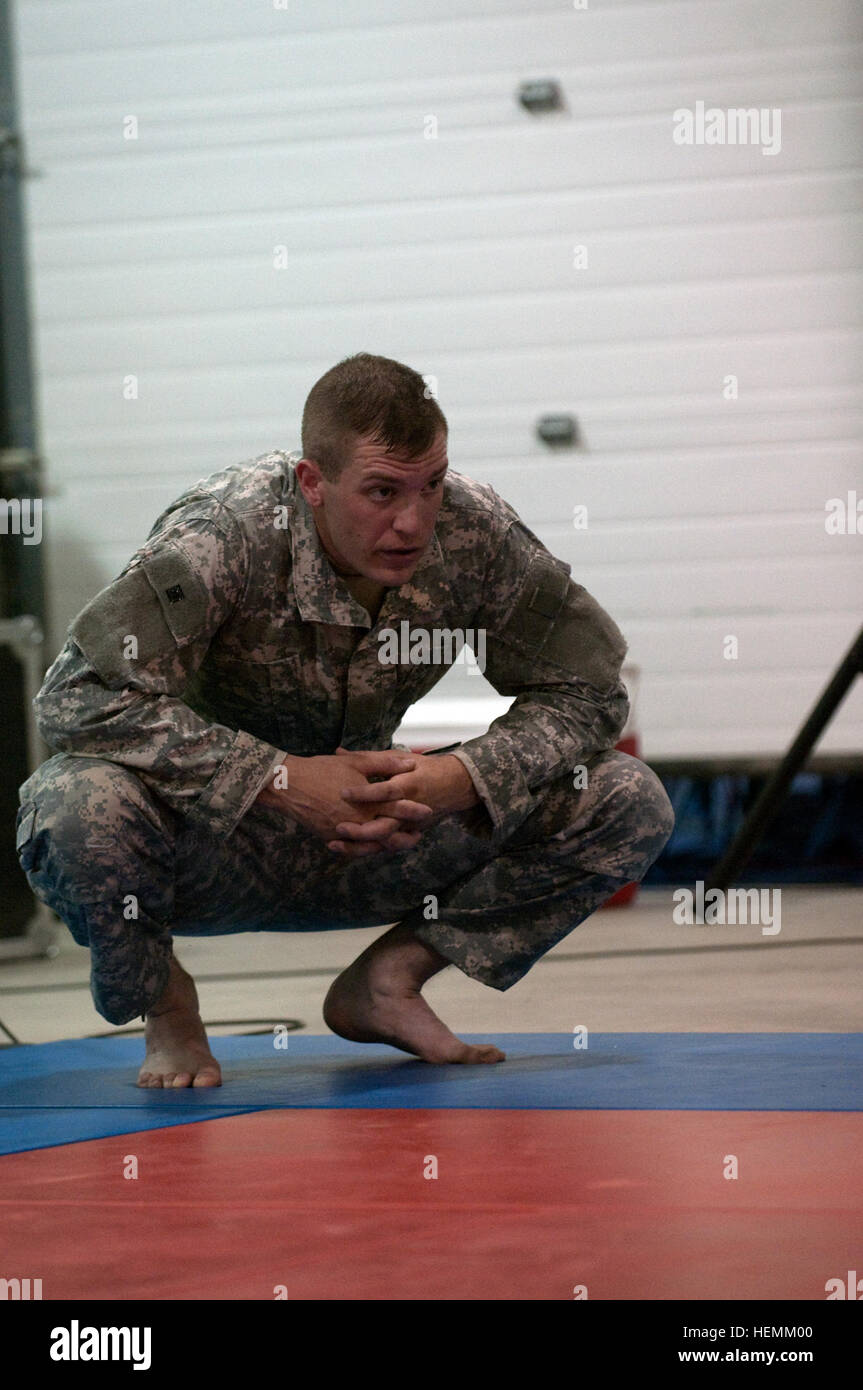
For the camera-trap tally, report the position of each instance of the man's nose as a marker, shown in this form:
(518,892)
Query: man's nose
(408,522)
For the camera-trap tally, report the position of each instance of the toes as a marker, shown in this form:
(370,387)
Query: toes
(484,1052)
(171,1080)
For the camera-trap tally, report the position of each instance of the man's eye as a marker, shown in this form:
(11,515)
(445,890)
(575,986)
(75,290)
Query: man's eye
(376,491)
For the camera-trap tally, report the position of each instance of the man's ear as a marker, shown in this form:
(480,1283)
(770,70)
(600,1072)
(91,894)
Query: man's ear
(310,478)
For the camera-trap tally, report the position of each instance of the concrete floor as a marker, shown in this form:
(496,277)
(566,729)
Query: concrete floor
(627,969)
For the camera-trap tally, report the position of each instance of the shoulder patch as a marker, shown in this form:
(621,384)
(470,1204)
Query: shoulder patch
(160,603)
(180,591)
(558,622)
(538,605)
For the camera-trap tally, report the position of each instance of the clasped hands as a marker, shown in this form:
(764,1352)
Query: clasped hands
(333,796)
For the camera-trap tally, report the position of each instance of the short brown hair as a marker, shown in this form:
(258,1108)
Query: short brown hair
(368,395)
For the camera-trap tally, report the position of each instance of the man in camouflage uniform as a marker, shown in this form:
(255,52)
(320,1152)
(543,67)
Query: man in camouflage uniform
(224,714)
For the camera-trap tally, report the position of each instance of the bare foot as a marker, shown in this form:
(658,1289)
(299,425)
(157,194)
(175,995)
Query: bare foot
(377,999)
(178,1053)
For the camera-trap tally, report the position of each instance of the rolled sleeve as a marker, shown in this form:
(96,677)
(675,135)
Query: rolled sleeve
(243,773)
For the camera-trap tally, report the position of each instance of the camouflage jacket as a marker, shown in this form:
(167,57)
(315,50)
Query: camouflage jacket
(229,640)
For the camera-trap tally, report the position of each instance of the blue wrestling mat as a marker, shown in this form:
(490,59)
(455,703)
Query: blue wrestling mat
(62,1092)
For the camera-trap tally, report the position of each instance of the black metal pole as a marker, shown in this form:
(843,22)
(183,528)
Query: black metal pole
(21,584)
(775,789)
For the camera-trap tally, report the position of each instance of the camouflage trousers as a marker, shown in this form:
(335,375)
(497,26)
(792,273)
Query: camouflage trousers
(126,873)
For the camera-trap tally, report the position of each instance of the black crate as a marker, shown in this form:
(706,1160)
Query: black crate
(20,677)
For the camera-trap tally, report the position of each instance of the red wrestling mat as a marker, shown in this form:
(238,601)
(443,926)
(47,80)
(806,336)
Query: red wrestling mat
(334,1204)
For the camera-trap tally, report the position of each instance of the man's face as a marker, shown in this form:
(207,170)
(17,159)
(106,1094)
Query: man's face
(382,506)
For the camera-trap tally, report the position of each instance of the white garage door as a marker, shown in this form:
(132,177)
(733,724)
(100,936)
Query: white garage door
(234,194)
